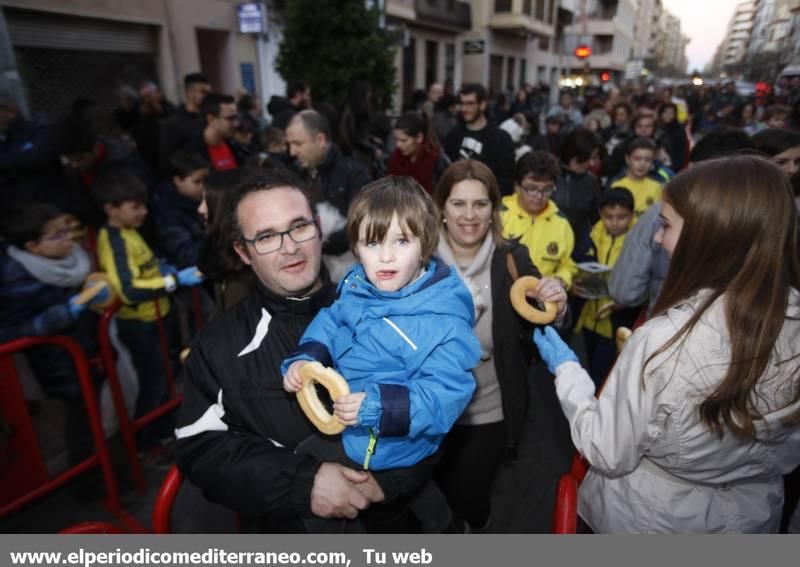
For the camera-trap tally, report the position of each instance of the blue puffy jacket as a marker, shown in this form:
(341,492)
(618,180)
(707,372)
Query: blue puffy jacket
(411,351)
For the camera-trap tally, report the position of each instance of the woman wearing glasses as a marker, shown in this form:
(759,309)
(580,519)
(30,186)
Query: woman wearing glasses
(468,201)
(530,215)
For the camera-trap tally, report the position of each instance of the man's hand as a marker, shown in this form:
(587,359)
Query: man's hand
(346,407)
(292,382)
(371,489)
(336,493)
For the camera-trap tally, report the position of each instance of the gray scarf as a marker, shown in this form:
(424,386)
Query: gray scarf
(60,272)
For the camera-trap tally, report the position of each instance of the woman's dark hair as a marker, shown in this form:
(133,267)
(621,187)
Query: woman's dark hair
(415,123)
(24,222)
(774,141)
(665,106)
(218,259)
(742,211)
(721,141)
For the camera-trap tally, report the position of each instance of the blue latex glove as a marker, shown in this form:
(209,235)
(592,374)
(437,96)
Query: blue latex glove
(189,276)
(75,309)
(554,351)
(104,295)
(166,269)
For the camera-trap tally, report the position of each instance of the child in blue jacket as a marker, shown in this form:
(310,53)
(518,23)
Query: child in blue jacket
(400,332)
(41,272)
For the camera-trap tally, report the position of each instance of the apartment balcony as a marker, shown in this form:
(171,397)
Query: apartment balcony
(509,17)
(453,15)
(403,9)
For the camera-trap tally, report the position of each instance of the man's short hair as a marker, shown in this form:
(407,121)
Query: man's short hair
(184,164)
(265,181)
(117,187)
(474,88)
(540,164)
(212,102)
(194,78)
(618,196)
(774,141)
(24,222)
(295,87)
(313,122)
(641,144)
(579,144)
(721,141)
(378,202)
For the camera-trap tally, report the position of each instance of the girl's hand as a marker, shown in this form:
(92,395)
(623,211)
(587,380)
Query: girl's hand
(550,289)
(346,407)
(292,382)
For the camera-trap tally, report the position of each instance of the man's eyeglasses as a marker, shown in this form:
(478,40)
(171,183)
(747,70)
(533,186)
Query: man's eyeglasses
(534,191)
(231,118)
(272,241)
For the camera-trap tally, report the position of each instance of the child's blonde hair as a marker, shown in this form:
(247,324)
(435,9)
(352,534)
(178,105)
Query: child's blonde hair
(380,200)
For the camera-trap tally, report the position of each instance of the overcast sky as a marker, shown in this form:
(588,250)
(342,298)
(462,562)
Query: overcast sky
(705,22)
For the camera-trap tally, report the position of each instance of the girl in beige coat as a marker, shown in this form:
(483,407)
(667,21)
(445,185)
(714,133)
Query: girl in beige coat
(700,417)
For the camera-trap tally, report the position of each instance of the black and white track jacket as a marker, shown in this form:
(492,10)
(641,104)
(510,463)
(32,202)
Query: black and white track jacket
(237,427)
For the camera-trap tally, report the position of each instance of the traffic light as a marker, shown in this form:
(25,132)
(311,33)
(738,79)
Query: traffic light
(605,76)
(583,51)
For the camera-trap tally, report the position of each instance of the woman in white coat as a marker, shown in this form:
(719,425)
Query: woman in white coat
(700,417)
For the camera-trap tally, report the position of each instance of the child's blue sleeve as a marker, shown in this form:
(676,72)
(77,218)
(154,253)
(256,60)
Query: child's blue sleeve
(315,344)
(431,401)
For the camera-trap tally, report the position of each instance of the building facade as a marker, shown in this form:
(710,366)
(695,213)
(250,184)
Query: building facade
(63,49)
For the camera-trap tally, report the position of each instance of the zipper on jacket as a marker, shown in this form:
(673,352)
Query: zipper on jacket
(373,440)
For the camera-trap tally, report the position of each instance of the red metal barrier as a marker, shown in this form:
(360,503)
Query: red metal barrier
(565,514)
(101,457)
(129,427)
(197,307)
(165,501)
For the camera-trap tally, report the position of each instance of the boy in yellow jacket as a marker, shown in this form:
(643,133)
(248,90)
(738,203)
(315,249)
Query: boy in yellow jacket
(646,190)
(616,207)
(142,283)
(531,216)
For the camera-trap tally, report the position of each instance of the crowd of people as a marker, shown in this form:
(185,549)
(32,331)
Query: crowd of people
(385,248)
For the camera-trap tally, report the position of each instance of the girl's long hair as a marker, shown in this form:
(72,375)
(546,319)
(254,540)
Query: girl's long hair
(738,239)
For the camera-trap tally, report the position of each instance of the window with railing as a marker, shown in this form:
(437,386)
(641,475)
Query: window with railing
(450,62)
(540,10)
(526,7)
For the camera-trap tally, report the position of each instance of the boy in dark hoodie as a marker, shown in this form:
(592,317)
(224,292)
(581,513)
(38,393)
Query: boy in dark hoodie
(180,227)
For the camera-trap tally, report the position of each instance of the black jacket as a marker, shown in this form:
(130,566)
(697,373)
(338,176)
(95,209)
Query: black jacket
(250,466)
(490,145)
(338,180)
(577,197)
(176,132)
(512,337)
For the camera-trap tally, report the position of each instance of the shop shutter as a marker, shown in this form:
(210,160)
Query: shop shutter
(29,28)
